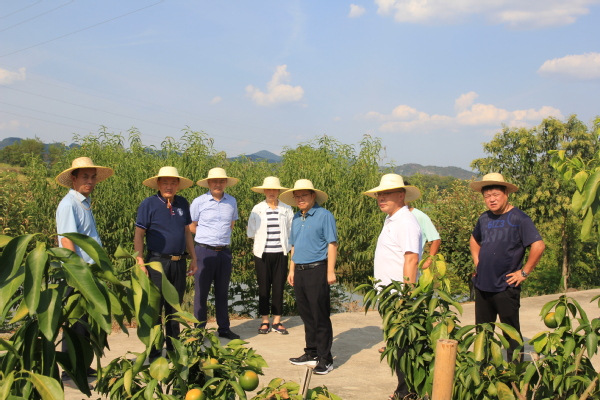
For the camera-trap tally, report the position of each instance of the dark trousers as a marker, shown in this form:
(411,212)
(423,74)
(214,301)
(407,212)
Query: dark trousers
(271,273)
(314,306)
(175,273)
(77,327)
(402,388)
(213,266)
(506,304)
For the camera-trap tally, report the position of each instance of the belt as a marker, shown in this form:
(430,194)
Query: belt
(302,267)
(215,248)
(169,256)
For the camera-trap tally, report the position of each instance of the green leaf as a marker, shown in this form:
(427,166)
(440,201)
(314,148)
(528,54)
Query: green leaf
(7,385)
(590,189)
(576,202)
(479,346)
(547,307)
(49,310)
(238,390)
(4,239)
(122,253)
(580,178)
(586,226)
(48,388)
(504,392)
(510,331)
(127,381)
(496,352)
(35,265)
(159,369)
(591,343)
(97,253)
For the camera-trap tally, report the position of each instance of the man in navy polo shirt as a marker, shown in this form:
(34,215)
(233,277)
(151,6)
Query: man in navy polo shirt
(498,244)
(164,220)
(213,217)
(312,270)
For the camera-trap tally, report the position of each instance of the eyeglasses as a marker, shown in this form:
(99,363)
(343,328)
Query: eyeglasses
(303,196)
(494,195)
(384,194)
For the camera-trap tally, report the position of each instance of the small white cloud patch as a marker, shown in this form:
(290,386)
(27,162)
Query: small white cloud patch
(356,11)
(216,100)
(7,77)
(581,67)
(277,91)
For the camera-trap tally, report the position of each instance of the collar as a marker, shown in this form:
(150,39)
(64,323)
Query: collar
(80,197)
(211,198)
(165,200)
(312,210)
(397,214)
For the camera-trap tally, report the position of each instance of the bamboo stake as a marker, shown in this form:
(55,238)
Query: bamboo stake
(443,371)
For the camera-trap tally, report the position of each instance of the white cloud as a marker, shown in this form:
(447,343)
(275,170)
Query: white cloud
(580,66)
(513,13)
(277,90)
(356,11)
(404,118)
(12,125)
(7,77)
(336,119)
(216,100)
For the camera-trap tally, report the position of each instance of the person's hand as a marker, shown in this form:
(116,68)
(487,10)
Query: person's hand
(426,264)
(516,278)
(193,267)
(331,279)
(290,278)
(140,262)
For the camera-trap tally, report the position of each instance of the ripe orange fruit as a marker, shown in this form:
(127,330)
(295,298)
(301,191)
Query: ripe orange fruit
(550,321)
(249,380)
(195,394)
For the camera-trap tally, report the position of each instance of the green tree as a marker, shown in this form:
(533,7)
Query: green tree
(18,152)
(523,156)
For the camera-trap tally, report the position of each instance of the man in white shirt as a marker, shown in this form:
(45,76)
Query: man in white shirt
(399,246)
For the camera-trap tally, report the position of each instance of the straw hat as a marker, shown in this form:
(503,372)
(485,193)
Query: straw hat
(493,178)
(394,181)
(217,173)
(270,182)
(168,172)
(64,178)
(303,184)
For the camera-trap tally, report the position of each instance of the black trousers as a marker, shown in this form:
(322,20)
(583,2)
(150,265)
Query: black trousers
(314,306)
(213,266)
(271,274)
(506,304)
(175,273)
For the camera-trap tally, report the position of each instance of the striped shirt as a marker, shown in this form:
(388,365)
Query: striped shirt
(273,244)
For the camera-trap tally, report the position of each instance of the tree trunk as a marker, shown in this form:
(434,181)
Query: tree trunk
(565,254)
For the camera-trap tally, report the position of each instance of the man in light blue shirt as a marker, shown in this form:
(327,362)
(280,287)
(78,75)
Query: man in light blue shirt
(74,214)
(213,217)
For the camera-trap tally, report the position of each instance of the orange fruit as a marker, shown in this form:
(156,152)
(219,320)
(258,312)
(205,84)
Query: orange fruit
(550,321)
(249,380)
(195,394)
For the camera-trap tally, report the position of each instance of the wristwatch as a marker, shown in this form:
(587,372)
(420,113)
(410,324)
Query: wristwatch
(524,274)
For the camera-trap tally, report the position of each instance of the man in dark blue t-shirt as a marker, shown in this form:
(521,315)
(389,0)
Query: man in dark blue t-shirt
(164,220)
(498,245)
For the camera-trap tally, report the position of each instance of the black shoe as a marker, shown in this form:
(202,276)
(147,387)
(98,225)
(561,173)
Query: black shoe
(304,359)
(92,372)
(64,376)
(323,367)
(229,335)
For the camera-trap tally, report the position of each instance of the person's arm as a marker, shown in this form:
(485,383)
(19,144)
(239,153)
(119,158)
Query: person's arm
(331,258)
(434,247)
(232,224)
(411,261)
(189,245)
(535,254)
(138,246)
(475,247)
(290,277)
(67,244)
(252,224)
(193,227)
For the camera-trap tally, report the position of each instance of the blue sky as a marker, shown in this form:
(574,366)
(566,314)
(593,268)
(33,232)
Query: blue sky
(434,79)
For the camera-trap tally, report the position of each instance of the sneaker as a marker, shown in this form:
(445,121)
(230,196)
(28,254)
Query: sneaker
(323,368)
(304,359)
(229,334)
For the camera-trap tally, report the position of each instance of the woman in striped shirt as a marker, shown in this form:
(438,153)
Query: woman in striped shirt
(269,224)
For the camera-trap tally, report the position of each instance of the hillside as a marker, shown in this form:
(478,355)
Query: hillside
(412,169)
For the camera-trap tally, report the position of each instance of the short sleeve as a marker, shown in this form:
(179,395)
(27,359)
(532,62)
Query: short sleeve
(529,232)
(235,210)
(185,207)
(329,228)
(143,216)
(429,230)
(195,210)
(65,219)
(477,231)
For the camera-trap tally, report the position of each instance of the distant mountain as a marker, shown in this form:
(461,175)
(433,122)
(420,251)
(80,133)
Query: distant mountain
(261,155)
(8,141)
(456,172)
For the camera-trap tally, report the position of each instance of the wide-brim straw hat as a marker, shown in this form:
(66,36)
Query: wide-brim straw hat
(168,172)
(64,178)
(270,182)
(303,184)
(217,173)
(493,178)
(394,181)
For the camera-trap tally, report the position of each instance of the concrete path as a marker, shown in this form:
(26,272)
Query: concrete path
(358,373)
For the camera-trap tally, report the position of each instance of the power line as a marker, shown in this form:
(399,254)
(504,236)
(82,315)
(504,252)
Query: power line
(24,8)
(37,16)
(81,30)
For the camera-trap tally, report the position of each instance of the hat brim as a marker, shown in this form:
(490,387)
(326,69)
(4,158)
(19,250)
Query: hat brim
(184,183)
(477,186)
(412,192)
(288,196)
(102,173)
(230,181)
(261,189)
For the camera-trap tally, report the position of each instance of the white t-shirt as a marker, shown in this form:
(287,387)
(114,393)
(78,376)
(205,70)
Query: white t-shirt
(400,233)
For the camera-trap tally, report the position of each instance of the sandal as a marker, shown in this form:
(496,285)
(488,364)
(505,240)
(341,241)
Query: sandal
(263,331)
(279,329)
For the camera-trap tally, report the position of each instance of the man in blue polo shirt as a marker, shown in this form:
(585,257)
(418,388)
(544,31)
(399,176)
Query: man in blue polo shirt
(498,244)
(213,217)
(312,270)
(164,220)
